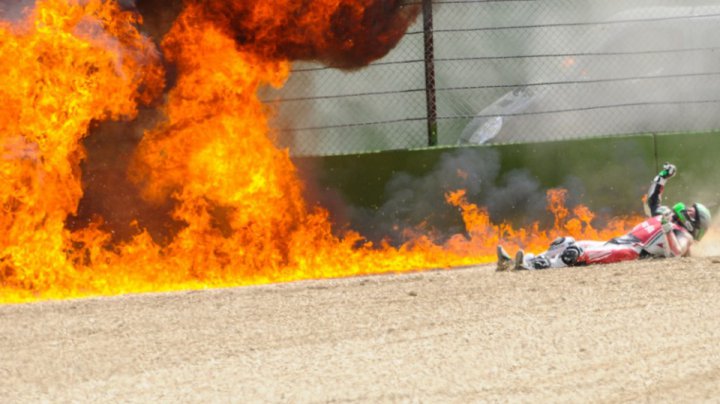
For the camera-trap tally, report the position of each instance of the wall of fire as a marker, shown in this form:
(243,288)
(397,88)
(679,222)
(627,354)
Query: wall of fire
(513,72)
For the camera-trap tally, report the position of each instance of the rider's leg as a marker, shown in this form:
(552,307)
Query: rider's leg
(604,253)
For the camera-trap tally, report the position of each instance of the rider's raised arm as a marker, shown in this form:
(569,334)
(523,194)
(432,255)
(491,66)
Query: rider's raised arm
(654,195)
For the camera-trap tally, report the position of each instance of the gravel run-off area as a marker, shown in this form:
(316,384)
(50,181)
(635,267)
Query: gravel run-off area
(646,330)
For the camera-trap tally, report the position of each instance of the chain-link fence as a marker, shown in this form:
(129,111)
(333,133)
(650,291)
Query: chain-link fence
(515,71)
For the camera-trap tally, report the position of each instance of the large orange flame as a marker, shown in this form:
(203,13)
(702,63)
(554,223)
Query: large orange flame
(238,197)
(67,65)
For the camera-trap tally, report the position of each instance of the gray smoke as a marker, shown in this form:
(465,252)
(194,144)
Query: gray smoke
(12,10)
(414,202)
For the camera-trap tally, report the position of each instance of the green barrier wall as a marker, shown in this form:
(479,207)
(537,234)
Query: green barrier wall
(698,159)
(615,171)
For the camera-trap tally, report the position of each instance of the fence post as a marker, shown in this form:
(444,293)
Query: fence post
(430,73)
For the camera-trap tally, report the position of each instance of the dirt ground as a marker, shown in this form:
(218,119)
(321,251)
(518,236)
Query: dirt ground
(640,331)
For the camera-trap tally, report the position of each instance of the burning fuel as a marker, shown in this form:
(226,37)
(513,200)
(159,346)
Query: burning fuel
(70,64)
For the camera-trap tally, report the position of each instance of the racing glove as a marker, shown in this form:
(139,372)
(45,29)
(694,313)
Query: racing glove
(654,195)
(666,221)
(668,171)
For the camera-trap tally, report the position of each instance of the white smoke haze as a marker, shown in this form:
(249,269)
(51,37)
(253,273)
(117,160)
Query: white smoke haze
(607,68)
(583,68)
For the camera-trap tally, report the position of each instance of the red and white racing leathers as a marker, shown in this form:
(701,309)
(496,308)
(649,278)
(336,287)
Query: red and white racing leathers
(647,239)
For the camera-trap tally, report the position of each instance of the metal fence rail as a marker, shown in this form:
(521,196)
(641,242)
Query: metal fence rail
(474,72)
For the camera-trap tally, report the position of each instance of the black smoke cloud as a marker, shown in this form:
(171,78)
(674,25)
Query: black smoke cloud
(158,15)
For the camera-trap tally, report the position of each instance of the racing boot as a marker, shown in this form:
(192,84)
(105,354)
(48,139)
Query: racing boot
(504,262)
(520,261)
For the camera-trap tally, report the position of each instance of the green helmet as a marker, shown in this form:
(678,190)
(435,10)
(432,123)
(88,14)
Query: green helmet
(698,224)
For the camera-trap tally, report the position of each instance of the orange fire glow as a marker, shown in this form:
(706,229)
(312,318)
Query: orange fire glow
(72,63)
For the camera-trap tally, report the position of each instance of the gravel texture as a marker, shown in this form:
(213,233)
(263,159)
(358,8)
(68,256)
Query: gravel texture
(647,330)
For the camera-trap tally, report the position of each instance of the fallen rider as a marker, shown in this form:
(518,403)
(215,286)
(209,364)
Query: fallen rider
(666,233)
